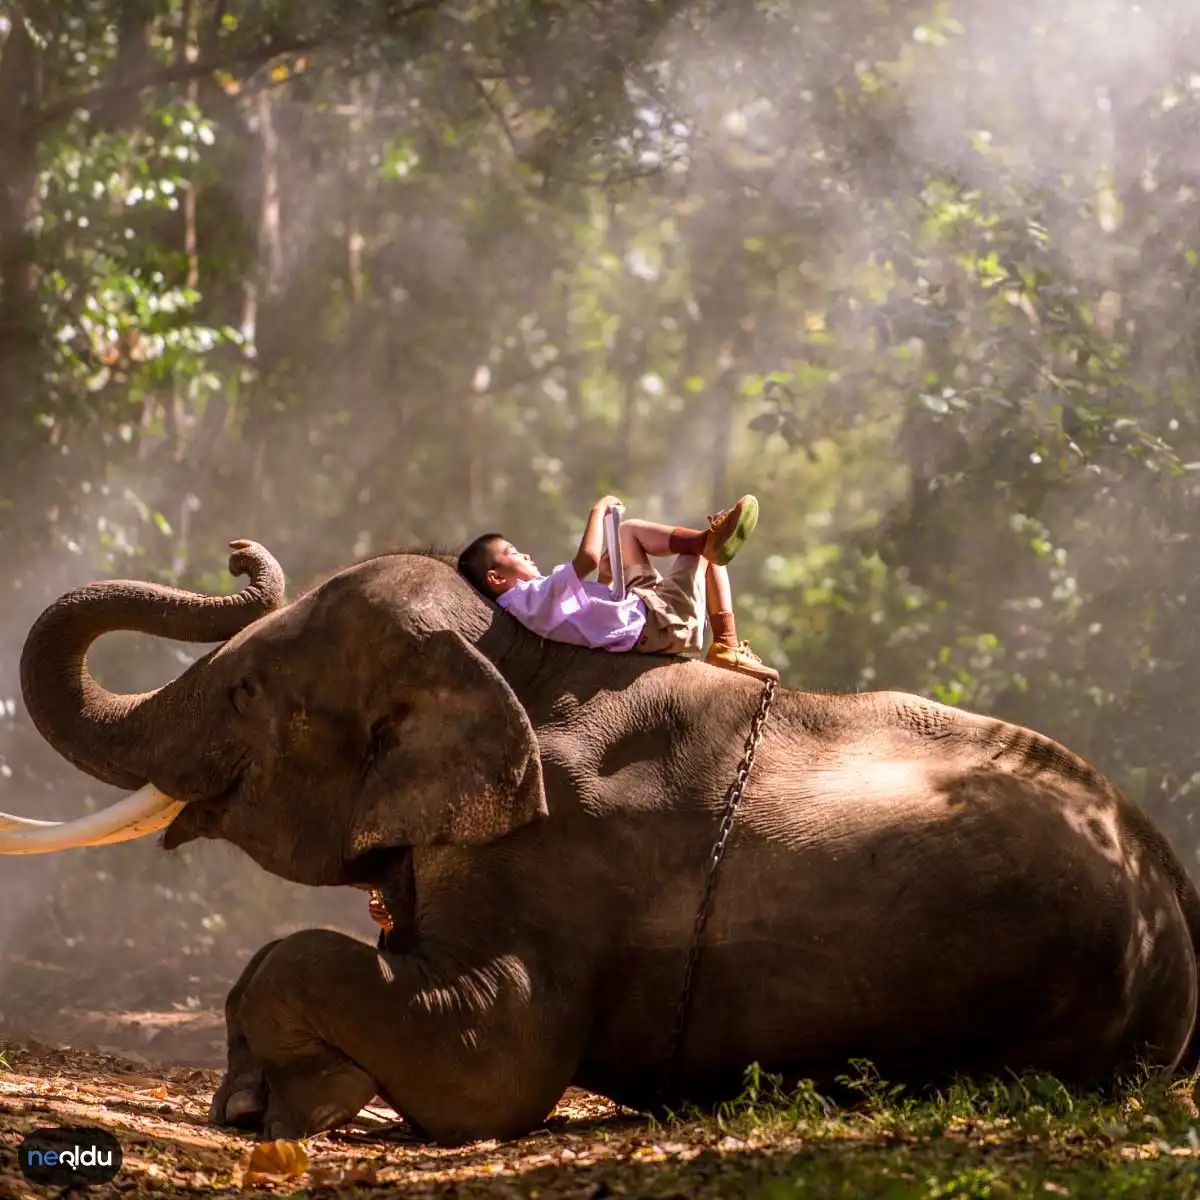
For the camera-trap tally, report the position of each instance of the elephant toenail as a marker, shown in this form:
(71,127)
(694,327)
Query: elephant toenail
(248,1102)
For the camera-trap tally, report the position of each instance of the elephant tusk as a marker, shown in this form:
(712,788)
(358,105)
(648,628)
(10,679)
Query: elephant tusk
(144,812)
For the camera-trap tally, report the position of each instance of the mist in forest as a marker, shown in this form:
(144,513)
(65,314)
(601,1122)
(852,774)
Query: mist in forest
(412,331)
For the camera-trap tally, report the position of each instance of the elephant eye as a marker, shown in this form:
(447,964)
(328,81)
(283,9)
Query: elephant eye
(385,733)
(241,695)
(384,737)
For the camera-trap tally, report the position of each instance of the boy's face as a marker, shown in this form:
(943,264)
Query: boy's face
(509,567)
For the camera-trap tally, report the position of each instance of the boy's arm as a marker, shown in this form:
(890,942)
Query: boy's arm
(591,545)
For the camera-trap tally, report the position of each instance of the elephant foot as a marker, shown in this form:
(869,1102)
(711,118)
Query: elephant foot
(281,1122)
(240,1102)
(291,1103)
(293,1100)
(314,1093)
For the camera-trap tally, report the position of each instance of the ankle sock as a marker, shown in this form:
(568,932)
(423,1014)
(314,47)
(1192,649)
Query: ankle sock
(724,629)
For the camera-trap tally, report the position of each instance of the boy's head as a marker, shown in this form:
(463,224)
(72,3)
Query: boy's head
(491,564)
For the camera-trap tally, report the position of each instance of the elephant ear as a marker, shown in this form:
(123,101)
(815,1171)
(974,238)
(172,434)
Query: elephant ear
(456,761)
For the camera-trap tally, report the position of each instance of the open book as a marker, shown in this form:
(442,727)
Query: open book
(612,540)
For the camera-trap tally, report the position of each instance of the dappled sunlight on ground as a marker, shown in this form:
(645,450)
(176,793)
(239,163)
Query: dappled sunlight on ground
(1021,1139)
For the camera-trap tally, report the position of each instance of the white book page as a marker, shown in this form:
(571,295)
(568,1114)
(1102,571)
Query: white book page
(612,540)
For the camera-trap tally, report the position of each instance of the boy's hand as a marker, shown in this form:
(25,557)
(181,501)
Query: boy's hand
(591,545)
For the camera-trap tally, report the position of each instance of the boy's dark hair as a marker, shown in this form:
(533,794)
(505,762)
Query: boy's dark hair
(476,560)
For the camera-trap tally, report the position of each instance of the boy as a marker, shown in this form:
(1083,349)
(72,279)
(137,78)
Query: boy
(658,615)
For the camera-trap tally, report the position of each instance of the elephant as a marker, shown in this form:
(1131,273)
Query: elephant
(940,892)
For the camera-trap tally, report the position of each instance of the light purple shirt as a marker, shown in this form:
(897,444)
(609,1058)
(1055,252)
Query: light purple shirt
(564,608)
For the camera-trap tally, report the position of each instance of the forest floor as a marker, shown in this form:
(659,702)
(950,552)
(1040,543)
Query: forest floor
(1024,1139)
(142,1058)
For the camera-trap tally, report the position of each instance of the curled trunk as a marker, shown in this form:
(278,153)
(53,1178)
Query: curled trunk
(99,731)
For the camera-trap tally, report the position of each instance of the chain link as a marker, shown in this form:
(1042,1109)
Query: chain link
(733,798)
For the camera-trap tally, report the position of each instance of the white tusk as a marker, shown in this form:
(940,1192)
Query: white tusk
(146,811)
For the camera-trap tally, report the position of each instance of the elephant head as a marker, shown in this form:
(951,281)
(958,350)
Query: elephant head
(357,720)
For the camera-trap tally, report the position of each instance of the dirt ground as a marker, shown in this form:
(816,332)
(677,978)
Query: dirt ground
(148,1075)
(158,1113)
(142,1055)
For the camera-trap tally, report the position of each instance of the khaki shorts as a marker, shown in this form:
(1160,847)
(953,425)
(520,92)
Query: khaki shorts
(674,606)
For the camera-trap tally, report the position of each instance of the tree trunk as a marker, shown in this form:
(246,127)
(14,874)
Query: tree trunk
(19,310)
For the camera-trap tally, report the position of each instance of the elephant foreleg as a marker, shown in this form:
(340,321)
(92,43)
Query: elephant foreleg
(241,1099)
(461,1049)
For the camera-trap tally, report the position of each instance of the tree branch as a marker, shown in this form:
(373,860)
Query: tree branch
(496,111)
(179,72)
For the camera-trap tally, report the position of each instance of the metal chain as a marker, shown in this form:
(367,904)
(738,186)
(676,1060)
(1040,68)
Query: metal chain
(733,798)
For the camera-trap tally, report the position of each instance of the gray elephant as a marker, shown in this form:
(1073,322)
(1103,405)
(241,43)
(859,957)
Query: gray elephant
(930,889)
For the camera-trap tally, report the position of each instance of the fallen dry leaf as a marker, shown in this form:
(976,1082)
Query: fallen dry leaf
(335,1176)
(589,1149)
(269,1162)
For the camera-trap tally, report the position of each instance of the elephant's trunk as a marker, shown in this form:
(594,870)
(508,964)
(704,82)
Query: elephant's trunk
(103,733)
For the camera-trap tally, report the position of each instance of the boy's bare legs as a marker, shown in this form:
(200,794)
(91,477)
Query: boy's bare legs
(726,651)
(719,543)
(643,540)
(719,599)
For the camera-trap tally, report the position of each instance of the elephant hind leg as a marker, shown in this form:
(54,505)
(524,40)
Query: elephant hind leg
(1166,1020)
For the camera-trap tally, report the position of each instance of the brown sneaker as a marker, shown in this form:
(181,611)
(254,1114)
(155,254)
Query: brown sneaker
(739,658)
(729,529)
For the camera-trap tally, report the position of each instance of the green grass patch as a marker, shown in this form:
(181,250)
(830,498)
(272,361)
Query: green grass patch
(1026,1136)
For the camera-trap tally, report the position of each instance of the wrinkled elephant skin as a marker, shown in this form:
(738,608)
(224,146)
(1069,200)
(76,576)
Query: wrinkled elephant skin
(933,890)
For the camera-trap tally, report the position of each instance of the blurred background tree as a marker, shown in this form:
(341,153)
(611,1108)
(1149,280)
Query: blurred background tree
(923,275)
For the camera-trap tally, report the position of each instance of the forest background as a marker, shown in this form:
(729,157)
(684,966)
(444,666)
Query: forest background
(346,277)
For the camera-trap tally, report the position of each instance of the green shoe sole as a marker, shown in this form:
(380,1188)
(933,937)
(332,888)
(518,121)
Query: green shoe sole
(742,530)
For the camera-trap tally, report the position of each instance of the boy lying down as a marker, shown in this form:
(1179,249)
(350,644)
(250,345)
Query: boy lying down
(659,614)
